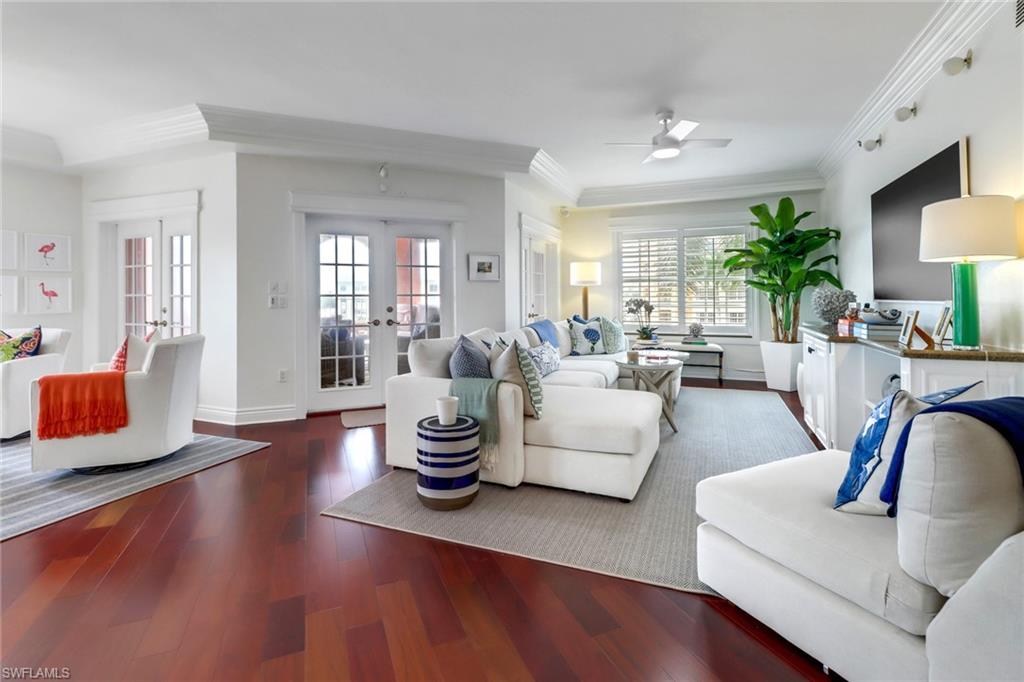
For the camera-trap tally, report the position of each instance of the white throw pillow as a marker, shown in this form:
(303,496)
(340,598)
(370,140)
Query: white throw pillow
(960,498)
(430,357)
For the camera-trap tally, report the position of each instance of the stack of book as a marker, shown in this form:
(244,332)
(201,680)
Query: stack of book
(876,332)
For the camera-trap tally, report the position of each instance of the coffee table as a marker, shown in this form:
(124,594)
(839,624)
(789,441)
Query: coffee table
(656,377)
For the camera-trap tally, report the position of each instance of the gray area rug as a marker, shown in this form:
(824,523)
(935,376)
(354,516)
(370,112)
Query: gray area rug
(653,539)
(29,500)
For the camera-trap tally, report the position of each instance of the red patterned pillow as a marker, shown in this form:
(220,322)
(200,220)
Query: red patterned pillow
(25,345)
(131,354)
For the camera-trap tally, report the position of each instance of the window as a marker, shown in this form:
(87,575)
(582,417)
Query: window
(714,297)
(649,268)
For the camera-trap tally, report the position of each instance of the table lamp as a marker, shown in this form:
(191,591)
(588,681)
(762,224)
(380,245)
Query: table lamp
(585,274)
(963,232)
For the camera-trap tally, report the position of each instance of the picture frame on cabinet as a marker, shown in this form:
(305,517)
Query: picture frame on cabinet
(47,252)
(47,294)
(8,250)
(10,302)
(943,323)
(907,330)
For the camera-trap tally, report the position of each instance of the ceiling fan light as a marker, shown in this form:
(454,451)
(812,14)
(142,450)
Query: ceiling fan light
(665,152)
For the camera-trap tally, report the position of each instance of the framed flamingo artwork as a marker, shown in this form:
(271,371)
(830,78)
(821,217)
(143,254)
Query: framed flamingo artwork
(48,252)
(47,294)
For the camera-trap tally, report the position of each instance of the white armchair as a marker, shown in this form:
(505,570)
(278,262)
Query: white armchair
(162,400)
(16,377)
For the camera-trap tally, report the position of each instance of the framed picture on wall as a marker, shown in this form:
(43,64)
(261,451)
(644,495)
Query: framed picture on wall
(9,302)
(9,249)
(484,267)
(47,294)
(48,252)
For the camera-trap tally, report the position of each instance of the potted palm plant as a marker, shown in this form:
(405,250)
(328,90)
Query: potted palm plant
(777,264)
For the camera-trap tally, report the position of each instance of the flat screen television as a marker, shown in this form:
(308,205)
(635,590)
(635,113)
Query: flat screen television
(896,229)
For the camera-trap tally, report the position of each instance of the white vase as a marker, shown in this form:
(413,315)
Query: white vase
(447,410)
(780,361)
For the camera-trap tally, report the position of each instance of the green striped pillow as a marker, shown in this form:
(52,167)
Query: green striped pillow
(534,392)
(515,366)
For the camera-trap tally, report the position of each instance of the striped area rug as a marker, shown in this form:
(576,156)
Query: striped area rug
(30,500)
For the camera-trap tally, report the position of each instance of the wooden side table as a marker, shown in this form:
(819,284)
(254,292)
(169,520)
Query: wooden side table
(655,376)
(447,462)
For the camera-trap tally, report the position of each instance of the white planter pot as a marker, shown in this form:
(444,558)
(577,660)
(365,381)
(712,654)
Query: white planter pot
(780,361)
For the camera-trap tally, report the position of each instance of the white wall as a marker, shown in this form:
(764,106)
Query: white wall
(520,199)
(214,177)
(50,203)
(265,253)
(586,236)
(983,103)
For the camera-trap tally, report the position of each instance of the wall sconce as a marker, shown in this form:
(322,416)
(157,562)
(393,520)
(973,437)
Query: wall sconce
(904,114)
(870,145)
(955,65)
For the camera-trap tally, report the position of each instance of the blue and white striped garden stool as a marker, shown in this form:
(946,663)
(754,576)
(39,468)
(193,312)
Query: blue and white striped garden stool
(447,462)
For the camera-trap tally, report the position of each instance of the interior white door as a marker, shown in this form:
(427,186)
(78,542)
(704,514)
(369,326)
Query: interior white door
(158,265)
(378,285)
(540,278)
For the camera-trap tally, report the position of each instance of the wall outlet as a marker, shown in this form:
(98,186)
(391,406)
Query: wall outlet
(282,376)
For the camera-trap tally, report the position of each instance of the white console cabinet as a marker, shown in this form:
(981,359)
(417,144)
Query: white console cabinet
(842,379)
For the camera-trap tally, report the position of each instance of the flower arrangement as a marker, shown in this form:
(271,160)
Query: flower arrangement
(641,308)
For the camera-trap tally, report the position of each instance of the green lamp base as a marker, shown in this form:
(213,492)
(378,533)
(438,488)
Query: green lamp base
(966,319)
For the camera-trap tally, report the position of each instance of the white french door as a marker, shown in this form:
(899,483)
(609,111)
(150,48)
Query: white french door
(157,277)
(377,286)
(536,281)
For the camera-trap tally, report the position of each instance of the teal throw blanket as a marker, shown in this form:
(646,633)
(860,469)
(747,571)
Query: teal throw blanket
(478,398)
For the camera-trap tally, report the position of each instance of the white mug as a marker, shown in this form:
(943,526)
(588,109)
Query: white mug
(447,410)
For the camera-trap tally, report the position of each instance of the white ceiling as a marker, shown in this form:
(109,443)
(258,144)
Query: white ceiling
(780,78)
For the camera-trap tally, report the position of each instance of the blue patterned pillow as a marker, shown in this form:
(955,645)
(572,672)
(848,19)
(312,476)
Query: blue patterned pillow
(860,491)
(545,358)
(586,337)
(468,361)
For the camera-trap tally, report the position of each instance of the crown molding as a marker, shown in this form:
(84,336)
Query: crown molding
(262,132)
(26,148)
(947,33)
(554,177)
(705,189)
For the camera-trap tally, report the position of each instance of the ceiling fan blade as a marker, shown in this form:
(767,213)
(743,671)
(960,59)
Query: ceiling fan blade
(650,157)
(682,128)
(628,144)
(707,143)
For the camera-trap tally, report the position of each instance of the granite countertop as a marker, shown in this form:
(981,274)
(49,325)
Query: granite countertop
(992,353)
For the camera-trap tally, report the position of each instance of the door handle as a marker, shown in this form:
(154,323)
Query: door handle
(375,323)
(391,322)
(155,323)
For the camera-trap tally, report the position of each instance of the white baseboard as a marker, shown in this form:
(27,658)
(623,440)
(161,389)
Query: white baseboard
(247,415)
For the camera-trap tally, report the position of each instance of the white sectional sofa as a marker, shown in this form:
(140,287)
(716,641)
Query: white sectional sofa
(590,438)
(871,596)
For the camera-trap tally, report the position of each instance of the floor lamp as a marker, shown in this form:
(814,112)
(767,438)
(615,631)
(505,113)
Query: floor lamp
(585,274)
(963,232)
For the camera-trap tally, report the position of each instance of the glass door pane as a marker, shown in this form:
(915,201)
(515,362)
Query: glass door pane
(344,304)
(138,294)
(180,272)
(418,292)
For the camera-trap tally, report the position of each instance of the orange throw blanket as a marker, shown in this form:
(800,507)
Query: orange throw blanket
(81,404)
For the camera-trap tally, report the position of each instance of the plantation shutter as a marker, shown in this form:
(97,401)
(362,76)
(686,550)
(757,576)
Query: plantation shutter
(649,269)
(714,298)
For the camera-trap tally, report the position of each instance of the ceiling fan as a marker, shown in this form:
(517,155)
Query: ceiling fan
(670,141)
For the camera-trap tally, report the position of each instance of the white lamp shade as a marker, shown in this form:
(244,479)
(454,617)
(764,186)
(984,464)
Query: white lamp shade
(969,229)
(585,274)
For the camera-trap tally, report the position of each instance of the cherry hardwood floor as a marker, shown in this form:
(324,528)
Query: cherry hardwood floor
(232,573)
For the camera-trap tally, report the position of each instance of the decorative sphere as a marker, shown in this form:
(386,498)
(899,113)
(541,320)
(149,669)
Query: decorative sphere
(830,303)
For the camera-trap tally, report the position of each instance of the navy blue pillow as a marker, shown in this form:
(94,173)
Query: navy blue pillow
(860,491)
(468,361)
